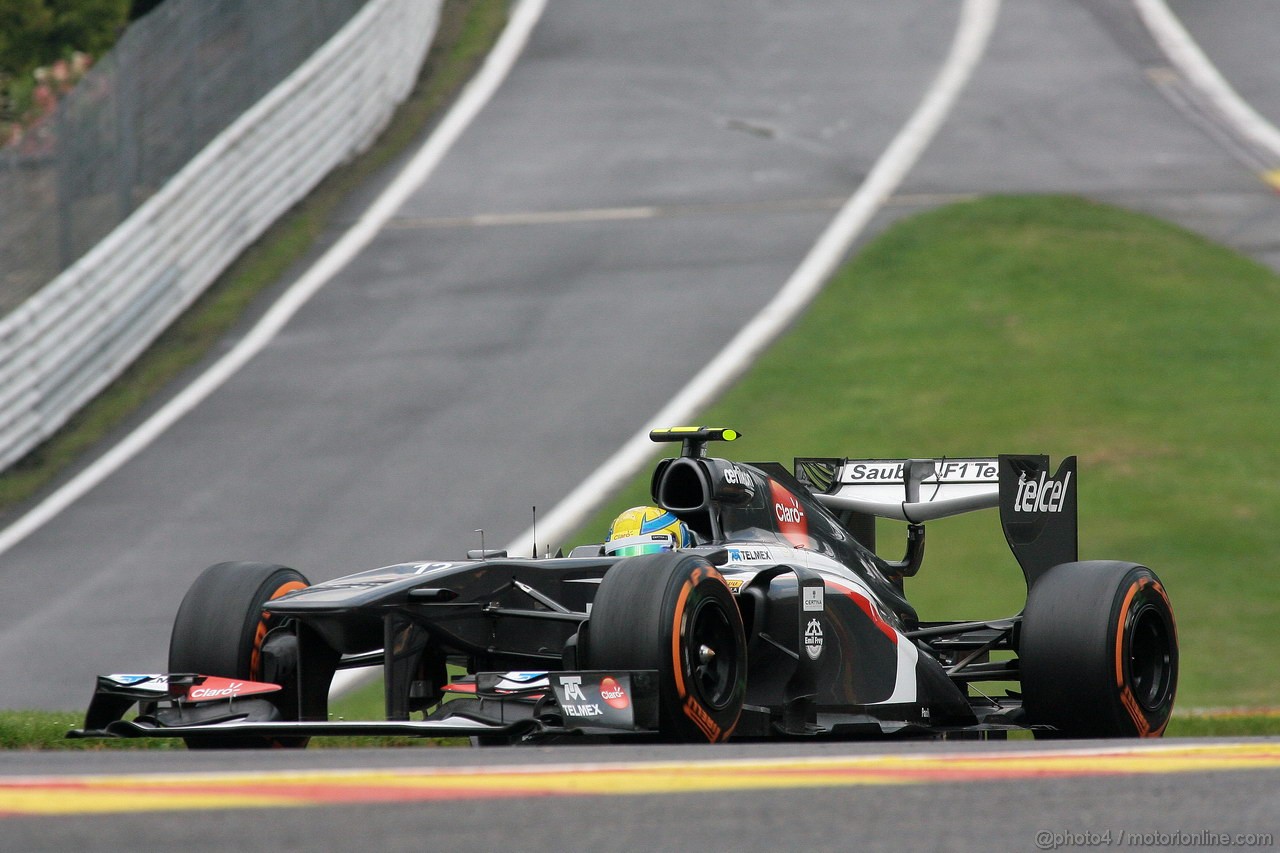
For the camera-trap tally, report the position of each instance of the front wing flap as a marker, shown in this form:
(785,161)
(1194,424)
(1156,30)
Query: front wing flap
(505,704)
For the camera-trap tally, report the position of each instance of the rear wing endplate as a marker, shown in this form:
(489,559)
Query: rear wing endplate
(1037,508)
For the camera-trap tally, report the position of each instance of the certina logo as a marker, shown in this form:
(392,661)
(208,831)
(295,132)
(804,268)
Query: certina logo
(1043,495)
(613,694)
(813,598)
(735,475)
(813,639)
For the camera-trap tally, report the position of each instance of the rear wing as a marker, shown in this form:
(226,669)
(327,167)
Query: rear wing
(914,490)
(1037,510)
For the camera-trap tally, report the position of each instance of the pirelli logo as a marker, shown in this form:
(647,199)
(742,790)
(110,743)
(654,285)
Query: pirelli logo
(701,719)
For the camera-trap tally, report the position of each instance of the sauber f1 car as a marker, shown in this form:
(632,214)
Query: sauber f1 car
(780,621)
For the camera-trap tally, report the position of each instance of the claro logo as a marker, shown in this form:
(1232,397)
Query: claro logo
(230,691)
(792,522)
(613,694)
(1043,495)
(789,513)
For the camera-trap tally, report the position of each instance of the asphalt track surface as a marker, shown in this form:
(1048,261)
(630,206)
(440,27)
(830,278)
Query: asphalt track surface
(1010,796)
(513,325)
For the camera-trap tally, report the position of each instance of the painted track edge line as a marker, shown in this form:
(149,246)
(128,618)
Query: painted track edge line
(1186,55)
(1122,748)
(977,20)
(474,97)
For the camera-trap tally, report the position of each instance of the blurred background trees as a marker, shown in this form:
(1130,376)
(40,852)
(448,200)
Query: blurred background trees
(46,45)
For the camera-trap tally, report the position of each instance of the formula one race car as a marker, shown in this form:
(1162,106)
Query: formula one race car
(779,621)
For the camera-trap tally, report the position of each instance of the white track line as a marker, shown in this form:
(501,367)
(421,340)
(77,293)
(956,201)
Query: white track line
(1185,55)
(977,19)
(474,97)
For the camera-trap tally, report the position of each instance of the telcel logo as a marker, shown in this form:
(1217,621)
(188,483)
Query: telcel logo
(1043,495)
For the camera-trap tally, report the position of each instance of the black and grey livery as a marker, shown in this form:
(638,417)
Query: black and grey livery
(781,622)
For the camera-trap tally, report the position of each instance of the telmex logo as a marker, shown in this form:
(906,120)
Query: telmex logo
(1043,495)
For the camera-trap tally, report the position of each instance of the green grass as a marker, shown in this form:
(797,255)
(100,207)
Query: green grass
(46,730)
(1042,324)
(467,29)
(1224,724)
(1022,324)
(1054,325)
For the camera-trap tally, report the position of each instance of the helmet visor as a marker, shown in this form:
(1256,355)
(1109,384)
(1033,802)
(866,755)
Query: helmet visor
(646,543)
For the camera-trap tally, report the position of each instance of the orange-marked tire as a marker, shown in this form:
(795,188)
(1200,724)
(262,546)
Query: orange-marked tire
(673,613)
(221,628)
(1098,652)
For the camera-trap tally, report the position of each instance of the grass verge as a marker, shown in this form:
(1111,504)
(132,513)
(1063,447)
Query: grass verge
(1043,324)
(1054,325)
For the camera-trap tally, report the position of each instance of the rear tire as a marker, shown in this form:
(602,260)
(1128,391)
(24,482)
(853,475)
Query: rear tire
(220,629)
(673,613)
(1099,652)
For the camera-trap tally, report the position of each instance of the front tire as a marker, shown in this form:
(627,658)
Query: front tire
(673,613)
(1099,652)
(220,629)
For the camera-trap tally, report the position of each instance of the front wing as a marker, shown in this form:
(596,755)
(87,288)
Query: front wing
(504,705)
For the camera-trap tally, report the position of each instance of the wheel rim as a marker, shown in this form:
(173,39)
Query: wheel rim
(1150,657)
(710,652)
(265,624)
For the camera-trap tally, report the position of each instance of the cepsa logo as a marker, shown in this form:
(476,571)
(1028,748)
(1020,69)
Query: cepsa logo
(613,694)
(792,522)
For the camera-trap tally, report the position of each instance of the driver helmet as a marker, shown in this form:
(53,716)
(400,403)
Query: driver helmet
(646,530)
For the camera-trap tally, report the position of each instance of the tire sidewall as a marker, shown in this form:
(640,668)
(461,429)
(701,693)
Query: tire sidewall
(645,616)
(702,594)
(222,620)
(1142,601)
(219,630)
(1076,651)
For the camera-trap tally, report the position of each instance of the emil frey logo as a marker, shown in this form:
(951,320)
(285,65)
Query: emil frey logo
(1043,495)
(813,639)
